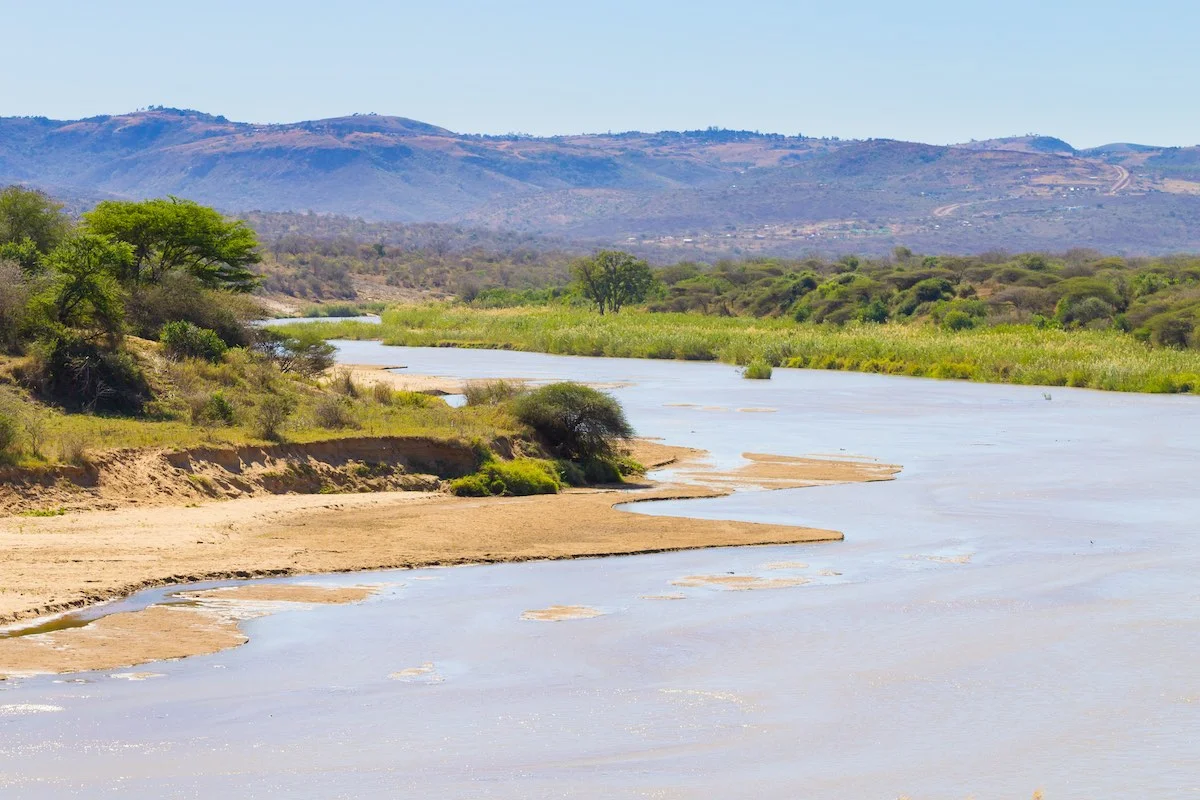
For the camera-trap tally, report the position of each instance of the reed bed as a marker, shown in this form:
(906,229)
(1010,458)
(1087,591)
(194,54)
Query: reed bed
(1108,360)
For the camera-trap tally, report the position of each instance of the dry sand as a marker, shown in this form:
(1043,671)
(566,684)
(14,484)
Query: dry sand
(367,376)
(739,583)
(559,613)
(208,623)
(53,564)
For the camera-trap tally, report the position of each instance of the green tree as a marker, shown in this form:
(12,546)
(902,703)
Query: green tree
(84,293)
(31,225)
(173,234)
(579,422)
(612,279)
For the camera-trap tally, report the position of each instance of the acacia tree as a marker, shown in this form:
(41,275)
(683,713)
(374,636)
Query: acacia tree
(612,279)
(173,234)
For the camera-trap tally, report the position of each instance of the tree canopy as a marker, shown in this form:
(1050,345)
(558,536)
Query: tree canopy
(83,293)
(31,225)
(173,234)
(612,279)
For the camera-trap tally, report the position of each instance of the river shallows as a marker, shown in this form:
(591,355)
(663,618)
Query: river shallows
(1019,609)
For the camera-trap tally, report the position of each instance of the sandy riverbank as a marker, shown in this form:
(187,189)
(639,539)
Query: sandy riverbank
(53,564)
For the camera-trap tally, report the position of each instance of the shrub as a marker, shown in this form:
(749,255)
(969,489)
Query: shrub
(521,476)
(602,470)
(81,375)
(492,393)
(577,421)
(73,448)
(570,473)
(956,320)
(272,415)
(213,410)
(181,297)
(333,413)
(383,394)
(342,382)
(8,436)
(1171,330)
(758,370)
(186,340)
(304,352)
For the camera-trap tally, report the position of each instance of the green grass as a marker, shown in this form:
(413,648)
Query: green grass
(757,370)
(47,435)
(1108,360)
(44,512)
(518,477)
(334,310)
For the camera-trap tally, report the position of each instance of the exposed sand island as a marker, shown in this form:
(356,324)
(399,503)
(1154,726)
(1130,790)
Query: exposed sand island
(53,564)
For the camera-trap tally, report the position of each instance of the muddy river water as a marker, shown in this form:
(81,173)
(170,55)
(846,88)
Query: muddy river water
(1018,610)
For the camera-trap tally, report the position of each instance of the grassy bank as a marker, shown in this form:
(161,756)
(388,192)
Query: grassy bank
(1008,354)
(238,401)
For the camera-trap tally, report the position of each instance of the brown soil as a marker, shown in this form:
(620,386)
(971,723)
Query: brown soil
(155,477)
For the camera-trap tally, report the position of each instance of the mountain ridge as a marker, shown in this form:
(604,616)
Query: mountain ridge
(722,190)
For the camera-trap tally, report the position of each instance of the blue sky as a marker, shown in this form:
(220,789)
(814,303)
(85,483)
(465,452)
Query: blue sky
(928,70)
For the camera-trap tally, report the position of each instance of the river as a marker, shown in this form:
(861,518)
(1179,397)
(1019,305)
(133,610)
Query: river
(1018,610)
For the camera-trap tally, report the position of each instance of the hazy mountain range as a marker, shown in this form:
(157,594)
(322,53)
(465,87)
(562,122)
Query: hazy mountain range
(707,191)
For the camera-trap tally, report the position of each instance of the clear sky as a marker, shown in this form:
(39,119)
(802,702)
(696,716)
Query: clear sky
(928,70)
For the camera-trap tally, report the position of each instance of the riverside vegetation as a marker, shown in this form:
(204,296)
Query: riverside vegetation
(1099,359)
(1077,320)
(131,329)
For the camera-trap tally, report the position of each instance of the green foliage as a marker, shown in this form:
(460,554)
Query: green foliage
(32,223)
(342,309)
(24,254)
(214,410)
(9,431)
(181,297)
(1172,330)
(570,473)
(612,279)
(957,320)
(492,393)
(503,297)
(1024,354)
(576,421)
(334,413)
(518,477)
(758,369)
(272,414)
(185,340)
(83,293)
(171,234)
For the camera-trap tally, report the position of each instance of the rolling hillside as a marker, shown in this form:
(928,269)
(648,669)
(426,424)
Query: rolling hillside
(674,193)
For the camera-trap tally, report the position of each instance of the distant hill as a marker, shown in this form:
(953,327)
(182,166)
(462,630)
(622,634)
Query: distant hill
(701,192)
